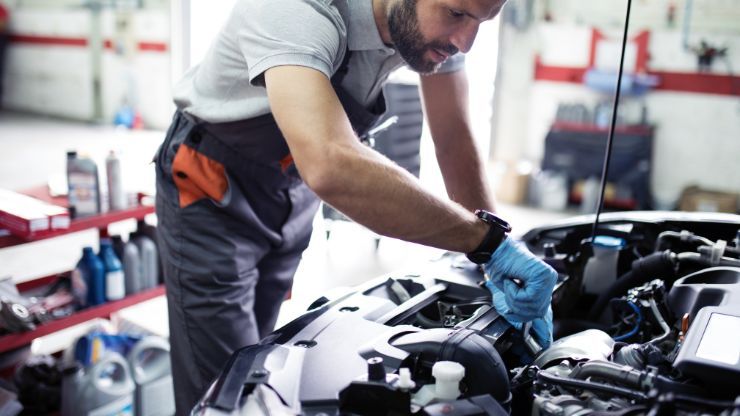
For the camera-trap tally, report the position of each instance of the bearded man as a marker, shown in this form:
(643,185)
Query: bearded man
(268,123)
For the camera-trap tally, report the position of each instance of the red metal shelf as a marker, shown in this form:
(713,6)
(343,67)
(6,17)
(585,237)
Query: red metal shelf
(79,224)
(13,341)
(640,130)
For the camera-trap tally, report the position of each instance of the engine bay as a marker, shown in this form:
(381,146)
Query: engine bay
(646,322)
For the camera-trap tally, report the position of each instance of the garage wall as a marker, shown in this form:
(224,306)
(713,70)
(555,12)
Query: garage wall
(57,66)
(693,130)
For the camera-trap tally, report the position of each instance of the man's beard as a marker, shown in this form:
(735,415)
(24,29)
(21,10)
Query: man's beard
(408,41)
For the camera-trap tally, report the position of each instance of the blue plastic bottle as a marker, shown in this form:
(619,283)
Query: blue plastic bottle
(115,285)
(93,272)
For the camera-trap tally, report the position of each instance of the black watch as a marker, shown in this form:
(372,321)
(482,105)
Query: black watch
(494,237)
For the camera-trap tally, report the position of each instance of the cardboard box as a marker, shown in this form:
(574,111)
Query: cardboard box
(29,217)
(513,185)
(694,198)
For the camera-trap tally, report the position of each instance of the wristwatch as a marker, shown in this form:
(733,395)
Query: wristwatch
(494,237)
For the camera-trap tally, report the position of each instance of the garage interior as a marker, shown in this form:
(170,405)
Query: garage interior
(96,76)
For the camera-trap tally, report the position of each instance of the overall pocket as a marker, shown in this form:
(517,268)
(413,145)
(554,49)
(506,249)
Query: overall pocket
(197,176)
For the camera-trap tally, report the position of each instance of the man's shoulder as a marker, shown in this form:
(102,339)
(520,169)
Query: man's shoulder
(305,10)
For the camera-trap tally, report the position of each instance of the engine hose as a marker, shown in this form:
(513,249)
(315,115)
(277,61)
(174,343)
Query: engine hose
(545,377)
(643,270)
(683,236)
(610,371)
(706,261)
(631,377)
(718,404)
(661,322)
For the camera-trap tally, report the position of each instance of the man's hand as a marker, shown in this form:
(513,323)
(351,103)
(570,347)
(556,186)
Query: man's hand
(541,327)
(525,281)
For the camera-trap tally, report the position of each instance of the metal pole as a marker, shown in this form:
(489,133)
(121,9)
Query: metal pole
(612,125)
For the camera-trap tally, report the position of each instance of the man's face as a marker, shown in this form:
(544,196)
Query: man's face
(427,32)
(403,23)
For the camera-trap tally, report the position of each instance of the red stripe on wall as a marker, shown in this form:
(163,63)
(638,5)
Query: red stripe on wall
(81,42)
(668,81)
(698,82)
(153,46)
(48,40)
(558,73)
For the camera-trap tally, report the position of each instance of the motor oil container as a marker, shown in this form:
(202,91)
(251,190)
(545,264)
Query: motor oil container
(83,185)
(104,388)
(151,232)
(116,194)
(114,280)
(150,368)
(89,348)
(93,274)
(130,257)
(118,243)
(149,260)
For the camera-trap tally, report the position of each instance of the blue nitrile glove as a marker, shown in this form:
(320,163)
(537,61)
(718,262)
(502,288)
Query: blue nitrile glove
(541,327)
(529,299)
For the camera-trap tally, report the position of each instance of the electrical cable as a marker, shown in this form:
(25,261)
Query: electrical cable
(613,123)
(637,324)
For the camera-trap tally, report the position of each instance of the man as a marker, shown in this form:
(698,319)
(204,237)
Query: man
(270,120)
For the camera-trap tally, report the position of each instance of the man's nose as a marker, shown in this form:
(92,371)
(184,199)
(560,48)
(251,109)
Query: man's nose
(464,37)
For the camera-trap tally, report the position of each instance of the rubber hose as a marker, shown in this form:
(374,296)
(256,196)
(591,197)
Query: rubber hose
(643,270)
(544,376)
(610,371)
(632,377)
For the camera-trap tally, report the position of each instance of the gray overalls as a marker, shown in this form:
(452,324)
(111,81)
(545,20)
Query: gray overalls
(234,218)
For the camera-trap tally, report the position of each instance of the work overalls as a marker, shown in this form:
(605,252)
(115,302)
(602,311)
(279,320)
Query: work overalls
(234,218)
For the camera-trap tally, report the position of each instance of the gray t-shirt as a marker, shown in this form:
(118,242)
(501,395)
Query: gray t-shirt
(260,34)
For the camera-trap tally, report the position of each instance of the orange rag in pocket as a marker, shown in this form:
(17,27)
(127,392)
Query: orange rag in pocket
(197,177)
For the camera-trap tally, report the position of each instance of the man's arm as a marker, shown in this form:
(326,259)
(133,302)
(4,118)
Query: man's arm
(445,98)
(355,179)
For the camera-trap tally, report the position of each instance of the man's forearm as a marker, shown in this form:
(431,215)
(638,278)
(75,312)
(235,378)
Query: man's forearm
(464,174)
(376,193)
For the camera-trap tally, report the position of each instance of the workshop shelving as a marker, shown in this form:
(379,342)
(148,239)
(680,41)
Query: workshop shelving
(13,341)
(100,222)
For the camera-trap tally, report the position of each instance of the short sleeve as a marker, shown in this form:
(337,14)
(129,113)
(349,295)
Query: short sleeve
(305,33)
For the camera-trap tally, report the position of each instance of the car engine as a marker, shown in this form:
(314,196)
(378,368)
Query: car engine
(647,322)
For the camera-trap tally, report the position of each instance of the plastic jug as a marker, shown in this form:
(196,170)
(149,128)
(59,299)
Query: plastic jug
(129,255)
(105,388)
(150,367)
(151,231)
(93,273)
(114,280)
(149,260)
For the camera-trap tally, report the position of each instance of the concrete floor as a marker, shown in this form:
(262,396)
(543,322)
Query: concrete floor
(34,153)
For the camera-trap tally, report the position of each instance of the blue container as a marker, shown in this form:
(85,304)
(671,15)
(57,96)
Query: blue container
(93,273)
(115,284)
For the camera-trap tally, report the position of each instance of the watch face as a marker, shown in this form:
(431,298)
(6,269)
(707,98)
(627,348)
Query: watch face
(493,219)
